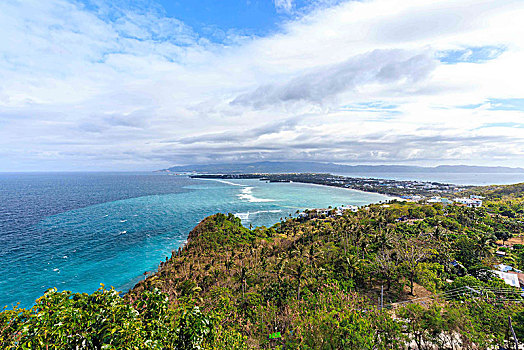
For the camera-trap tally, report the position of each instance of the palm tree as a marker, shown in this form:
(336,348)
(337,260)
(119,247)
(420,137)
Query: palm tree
(216,274)
(243,274)
(311,254)
(280,266)
(384,238)
(483,244)
(189,289)
(228,264)
(299,271)
(353,264)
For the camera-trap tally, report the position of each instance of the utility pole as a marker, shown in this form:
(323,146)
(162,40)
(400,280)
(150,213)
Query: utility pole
(513,332)
(381,297)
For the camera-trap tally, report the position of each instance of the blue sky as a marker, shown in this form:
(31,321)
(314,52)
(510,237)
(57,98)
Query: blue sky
(253,17)
(212,18)
(143,85)
(471,54)
(250,17)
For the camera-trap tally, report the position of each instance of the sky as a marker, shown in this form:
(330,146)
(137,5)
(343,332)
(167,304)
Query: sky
(145,84)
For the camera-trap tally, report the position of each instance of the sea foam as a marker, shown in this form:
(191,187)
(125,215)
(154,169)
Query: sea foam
(246,216)
(247,194)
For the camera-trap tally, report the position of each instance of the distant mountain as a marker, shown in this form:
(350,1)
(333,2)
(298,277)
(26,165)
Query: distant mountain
(319,167)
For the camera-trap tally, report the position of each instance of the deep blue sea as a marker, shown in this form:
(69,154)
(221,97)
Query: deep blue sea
(76,230)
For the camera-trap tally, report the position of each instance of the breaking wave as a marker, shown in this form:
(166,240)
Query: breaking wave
(247,194)
(246,216)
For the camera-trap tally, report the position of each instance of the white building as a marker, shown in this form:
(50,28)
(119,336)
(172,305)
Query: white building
(438,199)
(414,198)
(474,196)
(510,278)
(470,202)
(352,208)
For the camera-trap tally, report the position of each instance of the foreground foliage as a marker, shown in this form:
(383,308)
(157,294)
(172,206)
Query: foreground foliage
(104,320)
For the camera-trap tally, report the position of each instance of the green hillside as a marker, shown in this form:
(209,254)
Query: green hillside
(309,283)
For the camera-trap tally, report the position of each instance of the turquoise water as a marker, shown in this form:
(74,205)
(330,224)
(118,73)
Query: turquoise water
(76,245)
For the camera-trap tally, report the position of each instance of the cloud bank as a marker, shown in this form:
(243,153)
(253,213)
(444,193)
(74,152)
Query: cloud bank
(381,81)
(384,67)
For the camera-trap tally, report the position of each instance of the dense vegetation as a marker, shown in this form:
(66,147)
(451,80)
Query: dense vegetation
(309,283)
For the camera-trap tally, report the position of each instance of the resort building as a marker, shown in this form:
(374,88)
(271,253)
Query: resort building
(438,199)
(470,202)
(510,278)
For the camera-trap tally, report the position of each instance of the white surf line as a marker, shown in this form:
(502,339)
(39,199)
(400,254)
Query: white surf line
(223,181)
(388,196)
(246,215)
(247,195)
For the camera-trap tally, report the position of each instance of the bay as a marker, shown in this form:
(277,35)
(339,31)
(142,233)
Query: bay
(74,231)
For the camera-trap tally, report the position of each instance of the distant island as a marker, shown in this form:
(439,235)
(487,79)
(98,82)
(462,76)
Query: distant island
(321,167)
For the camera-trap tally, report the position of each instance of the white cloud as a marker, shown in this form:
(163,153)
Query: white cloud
(284,5)
(379,67)
(356,82)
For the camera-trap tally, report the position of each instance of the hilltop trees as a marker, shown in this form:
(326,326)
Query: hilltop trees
(411,252)
(386,266)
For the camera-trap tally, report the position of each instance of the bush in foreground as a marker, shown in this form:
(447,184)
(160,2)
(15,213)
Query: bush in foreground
(104,320)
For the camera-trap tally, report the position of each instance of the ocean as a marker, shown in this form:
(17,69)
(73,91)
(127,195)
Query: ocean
(74,231)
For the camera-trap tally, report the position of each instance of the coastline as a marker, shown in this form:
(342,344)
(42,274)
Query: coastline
(387,198)
(158,211)
(390,197)
(387,187)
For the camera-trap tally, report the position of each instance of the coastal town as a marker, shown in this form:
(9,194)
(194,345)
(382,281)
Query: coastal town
(412,190)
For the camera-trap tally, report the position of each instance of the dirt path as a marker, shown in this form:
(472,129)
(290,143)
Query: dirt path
(517,239)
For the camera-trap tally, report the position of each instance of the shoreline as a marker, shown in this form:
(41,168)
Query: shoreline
(395,189)
(388,197)
(349,189)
